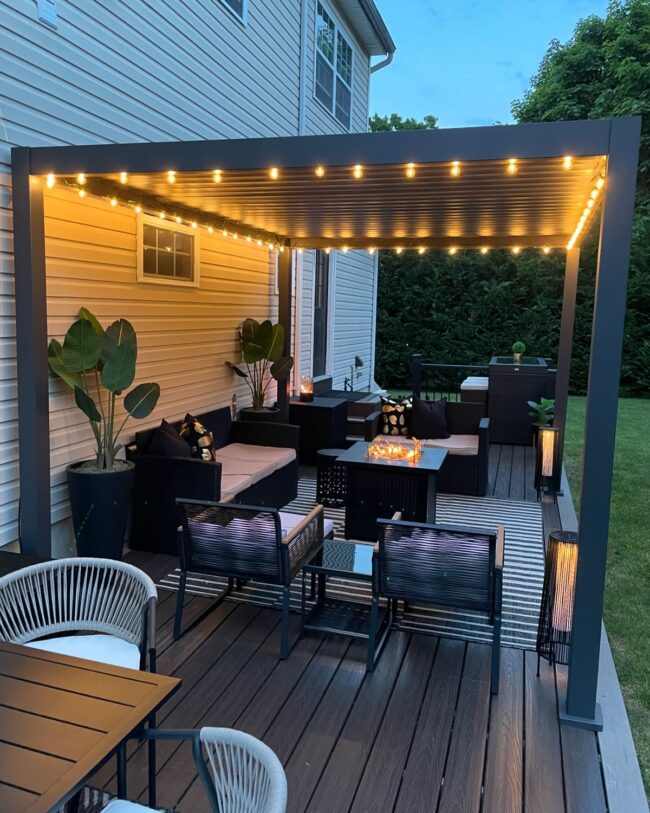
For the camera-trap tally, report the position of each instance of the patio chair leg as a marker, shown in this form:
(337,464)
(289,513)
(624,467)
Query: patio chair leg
(372,633)
(180,598)
(284,624)
(121,771)
(151,745)
(496,654)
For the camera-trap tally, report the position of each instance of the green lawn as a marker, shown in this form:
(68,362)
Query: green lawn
(627,597)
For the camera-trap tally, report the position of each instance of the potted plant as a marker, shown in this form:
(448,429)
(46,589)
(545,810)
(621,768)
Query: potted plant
(518,350)
(262,345)
(543,411)
(98,365)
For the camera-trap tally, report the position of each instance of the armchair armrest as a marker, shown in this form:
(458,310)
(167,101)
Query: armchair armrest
(498,569)
(301,544)
(265,434)
(483,456)
(371,426)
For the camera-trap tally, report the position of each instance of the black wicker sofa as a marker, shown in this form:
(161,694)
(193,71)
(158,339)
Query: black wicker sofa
(256,464)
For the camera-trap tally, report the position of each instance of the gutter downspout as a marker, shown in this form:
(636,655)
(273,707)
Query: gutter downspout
(302,82)
(383,64)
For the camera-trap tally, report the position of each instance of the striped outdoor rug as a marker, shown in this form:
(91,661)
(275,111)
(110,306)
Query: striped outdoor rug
(522,578)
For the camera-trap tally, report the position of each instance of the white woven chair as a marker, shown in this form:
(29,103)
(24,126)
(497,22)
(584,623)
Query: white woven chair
(112,603)
(245,775)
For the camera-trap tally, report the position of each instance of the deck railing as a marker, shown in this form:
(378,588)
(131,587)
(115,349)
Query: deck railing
(433,381)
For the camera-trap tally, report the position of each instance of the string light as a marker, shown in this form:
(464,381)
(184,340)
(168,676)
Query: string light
(410,170)
(274,173)
(193,224)
(178,219)
(82,193)
(546,249)
(484,250)
(281,249)
(138,209)
(319,172)
(210,230)
(455,169)
(225,232)
(216,176)
(81,178)
(587,211)
(327,250)
(260,243)
(594,193)
(567,162)
(512,167)
(249,239)
(357,171)
(124,177)
(590,203)
(171,176)
(50,180)
(161,215)
(421,250)
(398,250)
(453,250)
(113,201)
(345,249)
(300,251)
(235,236)
(371,251)
(600,183)
(515,249)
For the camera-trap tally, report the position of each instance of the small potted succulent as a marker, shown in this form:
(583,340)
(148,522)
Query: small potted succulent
(518,350)
(543,411)
(262,345)
(99,365)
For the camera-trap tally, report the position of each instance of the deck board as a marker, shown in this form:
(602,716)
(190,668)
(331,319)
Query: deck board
(420,733)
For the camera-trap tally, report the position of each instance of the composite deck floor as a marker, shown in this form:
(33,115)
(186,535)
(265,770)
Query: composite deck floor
(421,733)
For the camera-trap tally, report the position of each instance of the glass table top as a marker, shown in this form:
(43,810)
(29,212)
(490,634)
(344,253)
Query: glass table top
(343,557)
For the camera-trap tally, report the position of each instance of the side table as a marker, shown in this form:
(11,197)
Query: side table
(330,478)
(322,425)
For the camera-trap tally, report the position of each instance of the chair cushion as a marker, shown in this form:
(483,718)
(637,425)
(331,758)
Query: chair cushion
(122,806)
(102,648)
(277,455)
(255,469)
(199,438)
(475,382)
(289,522)
(455,444)
(234,483)
(166,442)
(429,418)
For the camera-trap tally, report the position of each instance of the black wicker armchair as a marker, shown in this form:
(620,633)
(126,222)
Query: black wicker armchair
(443,565)
(245,542)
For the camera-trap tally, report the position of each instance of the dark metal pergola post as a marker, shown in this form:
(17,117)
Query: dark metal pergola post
(567,322)
(600,424)
(285,280)
(31,341)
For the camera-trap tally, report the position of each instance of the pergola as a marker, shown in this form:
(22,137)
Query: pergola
(533,185)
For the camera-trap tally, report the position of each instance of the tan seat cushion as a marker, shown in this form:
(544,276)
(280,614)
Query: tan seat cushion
(234,483)
(455,444)
(277,455)
(255,469)
(289,522)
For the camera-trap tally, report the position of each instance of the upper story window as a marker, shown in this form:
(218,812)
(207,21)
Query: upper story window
(168,254)
(333,74)
(238,7)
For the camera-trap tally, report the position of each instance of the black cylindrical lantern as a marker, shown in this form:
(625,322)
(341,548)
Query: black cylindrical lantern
(556,611)
(547,439)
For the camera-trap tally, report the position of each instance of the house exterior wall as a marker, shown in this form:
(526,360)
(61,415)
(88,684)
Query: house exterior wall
(121,72)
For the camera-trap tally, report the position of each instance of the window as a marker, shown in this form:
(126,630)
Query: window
(321,304)
(238,7)
(167,254)
(333,74)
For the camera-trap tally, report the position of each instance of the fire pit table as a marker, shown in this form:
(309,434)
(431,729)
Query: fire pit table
(379,486)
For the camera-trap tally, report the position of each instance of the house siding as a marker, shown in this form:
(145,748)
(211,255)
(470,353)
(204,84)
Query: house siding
(145,71)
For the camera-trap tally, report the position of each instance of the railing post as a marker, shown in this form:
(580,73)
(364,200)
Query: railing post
(416,364)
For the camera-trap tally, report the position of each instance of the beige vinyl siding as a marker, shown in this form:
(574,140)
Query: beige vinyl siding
(317,118)
(184,334)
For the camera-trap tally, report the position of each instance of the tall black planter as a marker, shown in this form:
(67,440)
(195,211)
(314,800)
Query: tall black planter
(100,503)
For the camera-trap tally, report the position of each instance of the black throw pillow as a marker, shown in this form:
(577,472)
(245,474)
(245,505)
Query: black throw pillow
(429,419)
(166,442)
(395,416)
(200,439)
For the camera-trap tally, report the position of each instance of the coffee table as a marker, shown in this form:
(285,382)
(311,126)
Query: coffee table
(377,488)
(354,562)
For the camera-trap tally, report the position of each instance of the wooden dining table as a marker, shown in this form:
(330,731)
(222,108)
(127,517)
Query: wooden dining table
(61,718)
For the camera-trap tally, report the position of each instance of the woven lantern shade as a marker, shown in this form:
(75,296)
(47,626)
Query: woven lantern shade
(547,440)
(556,611)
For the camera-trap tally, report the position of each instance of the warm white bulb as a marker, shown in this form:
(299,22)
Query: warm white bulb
(594,193)
(398,250)
(178,219)
(319,172)
(371,251)
(327,250)
(421,250)
(410,170)
(512,166)
(453,250)
(216,176)
(138,209)
(516,249)
(455,168)
(281,249)
(161,215)
(235,236)
(567,162)
(260,243)
(274,173)
(345,249)
(225,232)
(546,249)
(124,177)
(299,251)
(193,224)
(210,229)
(113,201)
(50,180)
(171,176)
(249,239)
(590,203)
(82,193)
(357,171)
(81,178)
(600,183)
(484,250)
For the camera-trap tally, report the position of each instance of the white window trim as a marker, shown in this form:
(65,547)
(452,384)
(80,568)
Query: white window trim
(243,19)
(141,219)
(331,307)
(338,26)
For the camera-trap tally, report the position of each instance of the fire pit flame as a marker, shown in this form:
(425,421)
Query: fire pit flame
(384,449)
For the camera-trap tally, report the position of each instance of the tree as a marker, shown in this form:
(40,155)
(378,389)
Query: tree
(385,124)
(603,72)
